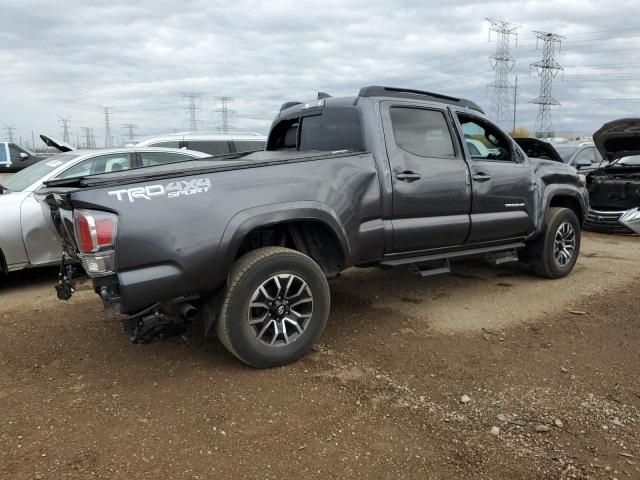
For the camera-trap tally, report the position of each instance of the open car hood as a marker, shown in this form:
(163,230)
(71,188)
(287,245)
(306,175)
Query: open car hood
(535,148)
(619,138)
(55,143)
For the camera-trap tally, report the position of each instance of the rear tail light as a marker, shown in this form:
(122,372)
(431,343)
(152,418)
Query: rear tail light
(95,231)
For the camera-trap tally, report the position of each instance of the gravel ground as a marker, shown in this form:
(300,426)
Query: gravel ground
(484,373)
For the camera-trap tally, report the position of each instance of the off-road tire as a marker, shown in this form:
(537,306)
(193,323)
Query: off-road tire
(540,252)
(247,274)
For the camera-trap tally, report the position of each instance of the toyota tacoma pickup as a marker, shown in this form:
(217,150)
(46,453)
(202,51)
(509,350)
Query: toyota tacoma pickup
(244,243)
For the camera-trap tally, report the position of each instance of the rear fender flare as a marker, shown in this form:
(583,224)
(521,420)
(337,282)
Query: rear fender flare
(246,220)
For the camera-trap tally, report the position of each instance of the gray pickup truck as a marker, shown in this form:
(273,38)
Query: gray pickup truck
(245,243)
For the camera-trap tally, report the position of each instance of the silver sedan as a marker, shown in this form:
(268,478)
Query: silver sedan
(25,239)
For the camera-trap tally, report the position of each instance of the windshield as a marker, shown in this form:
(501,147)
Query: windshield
(18,182)
(565,151)
(632,160)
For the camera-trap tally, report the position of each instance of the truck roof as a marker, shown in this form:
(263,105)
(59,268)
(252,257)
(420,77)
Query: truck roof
(380,92)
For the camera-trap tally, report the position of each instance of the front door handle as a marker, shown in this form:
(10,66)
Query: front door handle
(481,177)
(408,176)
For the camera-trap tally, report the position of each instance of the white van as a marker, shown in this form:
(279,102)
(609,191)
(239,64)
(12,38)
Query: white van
(213,143)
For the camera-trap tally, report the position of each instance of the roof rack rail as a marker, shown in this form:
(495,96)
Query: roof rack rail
(378,91)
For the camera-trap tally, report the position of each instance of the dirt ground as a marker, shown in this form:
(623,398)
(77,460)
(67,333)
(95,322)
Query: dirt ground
(549,369)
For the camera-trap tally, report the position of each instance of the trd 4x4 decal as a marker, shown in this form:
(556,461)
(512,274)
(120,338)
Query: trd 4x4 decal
(169,190)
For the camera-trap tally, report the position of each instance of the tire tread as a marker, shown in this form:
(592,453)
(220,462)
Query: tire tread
(238,271)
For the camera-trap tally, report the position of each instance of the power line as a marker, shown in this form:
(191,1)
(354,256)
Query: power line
(108,139)
(65,128)
(224,112)
(547,70)
(192,109)
(502,63)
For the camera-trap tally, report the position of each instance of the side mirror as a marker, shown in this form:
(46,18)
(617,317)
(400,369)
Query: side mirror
(24,156)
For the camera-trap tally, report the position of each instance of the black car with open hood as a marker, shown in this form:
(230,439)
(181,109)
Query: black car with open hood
(614,189)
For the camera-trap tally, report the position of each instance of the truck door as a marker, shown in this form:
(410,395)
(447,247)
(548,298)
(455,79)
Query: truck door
(502,180)
(431,187)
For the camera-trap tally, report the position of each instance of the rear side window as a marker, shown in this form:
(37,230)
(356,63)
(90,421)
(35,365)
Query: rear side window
(422,132)
(473,150)
(171,144)
(588,154)
(150,159)
(248,145)
(15,153)
(113,162)
(210,147)
(334,128)
(3,155)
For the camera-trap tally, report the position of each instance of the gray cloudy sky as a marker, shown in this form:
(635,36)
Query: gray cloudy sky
(68,58)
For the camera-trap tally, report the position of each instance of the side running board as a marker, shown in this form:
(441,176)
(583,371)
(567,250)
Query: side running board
(427,265)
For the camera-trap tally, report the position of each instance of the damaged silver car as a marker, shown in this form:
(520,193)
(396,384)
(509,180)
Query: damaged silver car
(614,188)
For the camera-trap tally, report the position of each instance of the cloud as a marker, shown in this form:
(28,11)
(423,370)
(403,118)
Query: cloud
(70,58)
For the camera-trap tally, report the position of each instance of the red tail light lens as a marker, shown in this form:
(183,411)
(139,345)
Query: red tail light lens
(95,231)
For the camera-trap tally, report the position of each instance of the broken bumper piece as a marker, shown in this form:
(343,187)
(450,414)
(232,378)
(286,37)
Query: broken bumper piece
(631,219)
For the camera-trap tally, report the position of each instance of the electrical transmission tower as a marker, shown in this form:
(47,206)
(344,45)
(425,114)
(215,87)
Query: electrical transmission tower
(108,139)
(65,128)
(192,109)
(9,129)
(130,128)
(225,112)
(89,140)
(502,63)
(547,69)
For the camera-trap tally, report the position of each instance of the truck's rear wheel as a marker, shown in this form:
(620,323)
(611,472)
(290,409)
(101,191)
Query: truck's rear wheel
(555,252)
(275,307)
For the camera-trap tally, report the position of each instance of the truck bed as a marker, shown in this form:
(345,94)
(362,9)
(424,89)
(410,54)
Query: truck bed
(219,163)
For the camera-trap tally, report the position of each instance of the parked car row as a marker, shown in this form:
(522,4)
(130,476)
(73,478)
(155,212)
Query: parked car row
(614,189)
(613,179)
(25,239)
(242,241)
(14,158)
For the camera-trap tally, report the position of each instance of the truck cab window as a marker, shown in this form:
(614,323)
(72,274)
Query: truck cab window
(422,132)
(484,140)
(336,128)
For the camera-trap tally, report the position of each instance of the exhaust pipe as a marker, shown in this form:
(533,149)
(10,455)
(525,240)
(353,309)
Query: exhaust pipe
(188,311)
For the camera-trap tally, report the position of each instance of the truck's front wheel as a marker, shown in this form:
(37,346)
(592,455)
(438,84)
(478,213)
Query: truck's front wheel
(555,252)
(275,307)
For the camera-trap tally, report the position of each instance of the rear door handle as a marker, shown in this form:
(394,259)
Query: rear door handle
(481,177)
(408,176)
